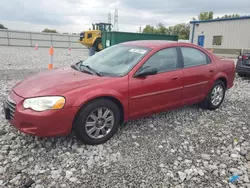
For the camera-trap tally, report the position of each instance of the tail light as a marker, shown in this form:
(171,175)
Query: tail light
(244,57)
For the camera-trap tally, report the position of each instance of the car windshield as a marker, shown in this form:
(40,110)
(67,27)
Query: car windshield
(116,60)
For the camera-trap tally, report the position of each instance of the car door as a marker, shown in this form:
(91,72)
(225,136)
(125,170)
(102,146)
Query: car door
(160,91)
(197,71)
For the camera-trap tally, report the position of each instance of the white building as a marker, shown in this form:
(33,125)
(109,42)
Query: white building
(229,35)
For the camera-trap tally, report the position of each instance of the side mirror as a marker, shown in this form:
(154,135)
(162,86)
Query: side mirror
(146,72)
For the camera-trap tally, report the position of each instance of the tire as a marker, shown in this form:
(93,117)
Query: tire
(81,130)
(208,102)
(97,44)
(241,74)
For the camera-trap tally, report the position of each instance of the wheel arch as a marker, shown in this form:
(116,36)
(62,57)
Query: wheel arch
(224,80)
(219,77)
(96,43)
(108,97)
(223,77)
(96,40)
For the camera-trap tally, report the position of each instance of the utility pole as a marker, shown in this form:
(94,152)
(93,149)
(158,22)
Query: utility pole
(109,17)
(116,28)
(140,31)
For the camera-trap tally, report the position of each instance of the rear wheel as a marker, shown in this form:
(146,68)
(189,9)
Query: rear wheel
(98,45)
(97,122)
(216,96)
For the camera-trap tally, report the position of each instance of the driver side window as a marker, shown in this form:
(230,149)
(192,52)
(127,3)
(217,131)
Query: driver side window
(163,60)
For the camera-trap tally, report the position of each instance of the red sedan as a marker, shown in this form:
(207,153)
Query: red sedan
(123,82)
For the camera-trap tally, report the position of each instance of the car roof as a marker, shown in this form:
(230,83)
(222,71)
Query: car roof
(153,43)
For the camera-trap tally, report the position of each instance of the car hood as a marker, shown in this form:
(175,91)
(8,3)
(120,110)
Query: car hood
(54,82)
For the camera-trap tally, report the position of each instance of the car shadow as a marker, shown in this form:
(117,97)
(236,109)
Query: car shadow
(151,118)
(71,142)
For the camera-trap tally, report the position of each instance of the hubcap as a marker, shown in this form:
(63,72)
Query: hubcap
(217,95)
(100,46)
(99,123)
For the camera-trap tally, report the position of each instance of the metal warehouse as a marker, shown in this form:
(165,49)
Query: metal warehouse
(226,36)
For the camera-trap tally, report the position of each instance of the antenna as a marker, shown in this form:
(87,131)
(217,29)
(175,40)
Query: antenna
(116,21)
(109,17)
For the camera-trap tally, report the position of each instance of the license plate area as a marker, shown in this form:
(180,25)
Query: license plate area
(246,62)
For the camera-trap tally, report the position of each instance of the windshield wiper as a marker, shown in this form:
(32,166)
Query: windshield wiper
(78,63)
(75,67)
(91,70)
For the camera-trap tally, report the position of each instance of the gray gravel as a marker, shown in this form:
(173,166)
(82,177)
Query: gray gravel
(187,147)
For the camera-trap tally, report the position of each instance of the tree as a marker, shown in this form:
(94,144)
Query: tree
(210,15)
(182,30)
(161,29)
(230,16)
(49,31)
(149,29)
(205,16)
(2,26)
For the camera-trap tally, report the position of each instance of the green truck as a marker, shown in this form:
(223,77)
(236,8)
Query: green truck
(114,37)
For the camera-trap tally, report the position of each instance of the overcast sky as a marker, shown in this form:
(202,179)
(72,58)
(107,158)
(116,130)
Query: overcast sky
(77,15)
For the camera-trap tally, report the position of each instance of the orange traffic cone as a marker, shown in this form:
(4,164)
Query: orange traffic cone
(51,53)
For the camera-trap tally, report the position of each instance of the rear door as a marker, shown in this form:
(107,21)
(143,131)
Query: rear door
(160,91)
(198,70)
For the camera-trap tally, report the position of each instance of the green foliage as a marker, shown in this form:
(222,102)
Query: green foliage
(182,30)
(230,16)
(161,29)
(149,29)
(210,15)
(49,31)
(205,16)
(2,26)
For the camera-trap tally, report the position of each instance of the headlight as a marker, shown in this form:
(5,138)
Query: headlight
(44,103)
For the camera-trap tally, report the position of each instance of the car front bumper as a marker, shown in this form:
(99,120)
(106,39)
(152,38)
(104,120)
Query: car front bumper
(43,124)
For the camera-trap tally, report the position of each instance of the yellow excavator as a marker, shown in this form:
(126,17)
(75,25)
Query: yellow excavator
(94,37)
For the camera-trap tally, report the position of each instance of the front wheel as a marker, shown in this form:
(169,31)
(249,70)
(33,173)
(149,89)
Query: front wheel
(98,45)
(216,96)
(97,122)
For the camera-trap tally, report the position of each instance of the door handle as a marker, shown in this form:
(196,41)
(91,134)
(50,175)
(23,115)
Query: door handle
(175,77)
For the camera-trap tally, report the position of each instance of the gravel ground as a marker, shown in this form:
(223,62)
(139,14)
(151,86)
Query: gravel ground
(187,147)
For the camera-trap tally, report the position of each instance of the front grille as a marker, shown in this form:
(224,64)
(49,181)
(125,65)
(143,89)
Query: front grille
(12,107)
